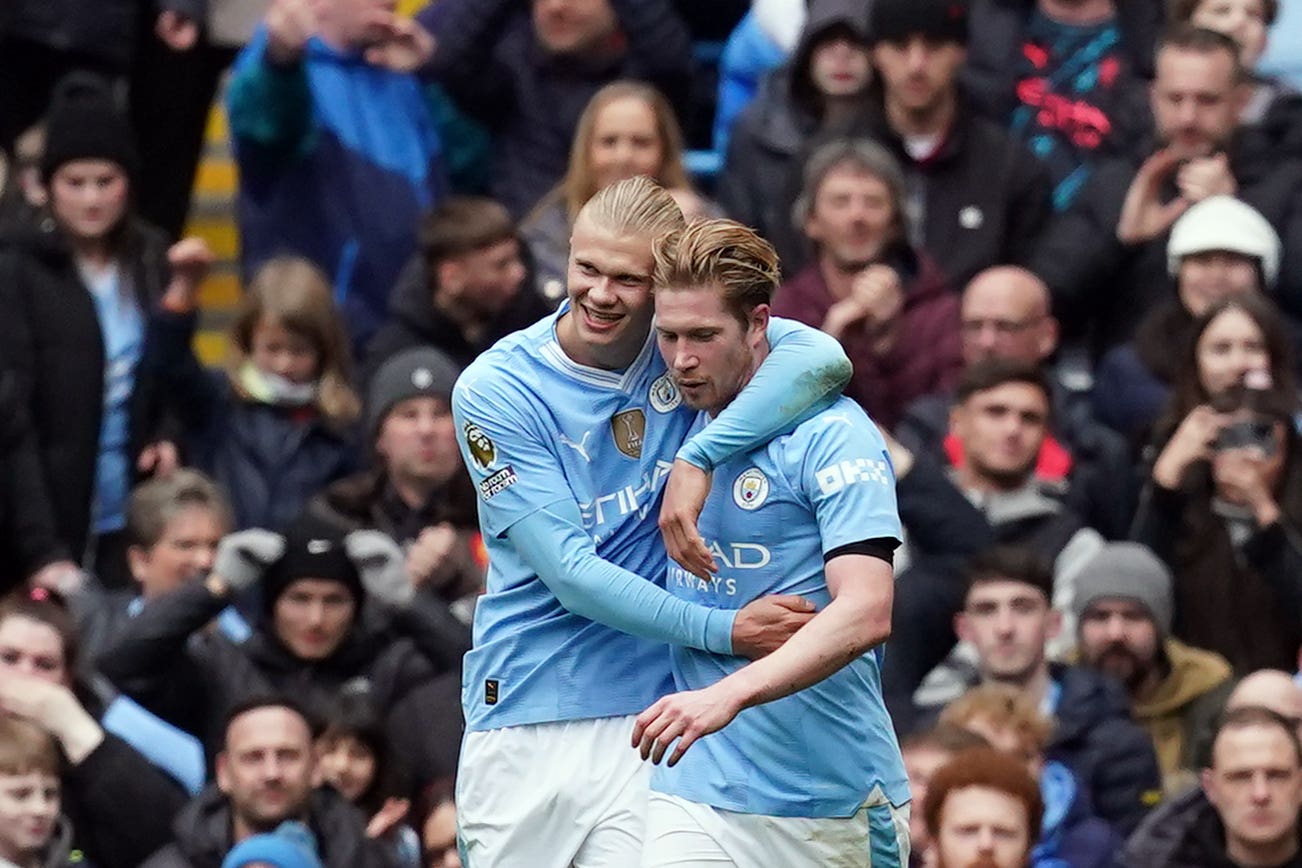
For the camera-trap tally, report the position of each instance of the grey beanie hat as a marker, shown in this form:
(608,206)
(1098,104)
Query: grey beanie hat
(1130,571)
(420,372)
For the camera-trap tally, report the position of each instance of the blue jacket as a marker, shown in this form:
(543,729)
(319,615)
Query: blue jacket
(1071,836)
(338,159)
(748,56)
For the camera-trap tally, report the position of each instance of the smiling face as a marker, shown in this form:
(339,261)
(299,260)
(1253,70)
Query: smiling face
(853,217)
(611,305)
(708,351)
(186,549)
(625,142)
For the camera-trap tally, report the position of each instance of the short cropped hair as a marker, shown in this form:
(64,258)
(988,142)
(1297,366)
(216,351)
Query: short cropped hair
(1254,715)
(260,701)
(461,225)
(1004,707)
(989,768)
(635,206)
(722,254)
(1008,563)
(991,373)
(1200,40)
(26,748)
(156,501)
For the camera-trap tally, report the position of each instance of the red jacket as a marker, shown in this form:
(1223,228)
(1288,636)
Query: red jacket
(927,356)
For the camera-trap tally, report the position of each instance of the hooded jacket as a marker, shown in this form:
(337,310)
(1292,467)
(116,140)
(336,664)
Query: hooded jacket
(926,355)
(203,834)
(1181,713)
(415,321)
(770,135)
(1070,835)
(50,338)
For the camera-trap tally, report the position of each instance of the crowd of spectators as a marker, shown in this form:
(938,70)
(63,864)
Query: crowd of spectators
(1060,241)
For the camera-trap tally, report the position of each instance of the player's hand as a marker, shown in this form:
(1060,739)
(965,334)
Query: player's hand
(763,625)
(686,717)
(1143,216)
(685,494)
(290,24)
(178,32)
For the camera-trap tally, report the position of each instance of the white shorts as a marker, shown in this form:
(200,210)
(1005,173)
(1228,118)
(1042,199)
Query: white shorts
(552,795)
(681,834)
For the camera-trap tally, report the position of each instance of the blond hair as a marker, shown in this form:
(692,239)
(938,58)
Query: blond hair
(155,502)
(722,254)
(580,181)
(292,292)
(1004,708)
(636,206)
(26,748)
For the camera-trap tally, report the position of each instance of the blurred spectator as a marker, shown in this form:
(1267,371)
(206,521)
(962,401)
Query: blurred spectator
(1067,77)
(1218,248)
(527,74)
(337,150)
(924,753)
(463,290)
(885,301)
(43,42)
(984,809)
(1007,617)
(760,42)
(1006,718)
(1247,810)
(77,289)
(340,614)
(1273,112)
(354,756)
(1273,689)
(120,805)
(173,526)
(418,491)
(277,425)
(1105,259)
(975,198)
(627,129)
(1123,610)
(439,834)
(184,48)
(289,845)
(1223,506)
(33,832)
(1004,313)
(265,777)
(819,90)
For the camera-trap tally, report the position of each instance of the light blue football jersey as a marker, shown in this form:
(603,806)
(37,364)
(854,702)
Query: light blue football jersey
(769,520)
(537,429)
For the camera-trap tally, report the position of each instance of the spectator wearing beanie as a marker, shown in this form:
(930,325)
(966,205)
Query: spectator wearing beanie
(77,289)
(417,490)
(291,845)
(339,614)
(1123,609)
(1219,247)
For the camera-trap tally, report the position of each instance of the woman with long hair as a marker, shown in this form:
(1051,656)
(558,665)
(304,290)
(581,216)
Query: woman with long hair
(627,129)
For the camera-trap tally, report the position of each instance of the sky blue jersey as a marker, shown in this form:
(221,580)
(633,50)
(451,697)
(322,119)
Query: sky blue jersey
(570,463)
(770,518)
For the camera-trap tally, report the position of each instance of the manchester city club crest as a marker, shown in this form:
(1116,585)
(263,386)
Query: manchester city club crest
(664,394)
(751,489)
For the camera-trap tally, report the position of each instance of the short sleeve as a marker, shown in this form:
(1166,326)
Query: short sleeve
(514,470)
(847,476)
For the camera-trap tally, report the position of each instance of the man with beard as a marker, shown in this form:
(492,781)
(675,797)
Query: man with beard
(1007,618)
(1105,259)
(1123,611)
(264,777)
(985,811)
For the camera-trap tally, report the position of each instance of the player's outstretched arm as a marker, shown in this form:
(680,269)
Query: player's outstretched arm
(803,373)
(552,541)
(857,619)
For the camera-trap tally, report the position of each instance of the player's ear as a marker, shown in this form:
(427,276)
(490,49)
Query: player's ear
(759,324)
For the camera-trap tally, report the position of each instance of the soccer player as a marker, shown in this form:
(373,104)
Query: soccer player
(570,429)
(809,771)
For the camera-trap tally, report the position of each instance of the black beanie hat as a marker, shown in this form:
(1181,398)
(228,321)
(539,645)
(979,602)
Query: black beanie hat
(314,549)
(84,123)
(897,20)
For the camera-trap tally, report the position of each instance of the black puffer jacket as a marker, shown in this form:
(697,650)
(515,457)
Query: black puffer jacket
(1182,832)
(1110,754)
(50,339)
(203,834)
(28,540)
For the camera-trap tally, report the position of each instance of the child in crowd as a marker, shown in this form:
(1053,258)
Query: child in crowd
(33,834)
(277,428)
